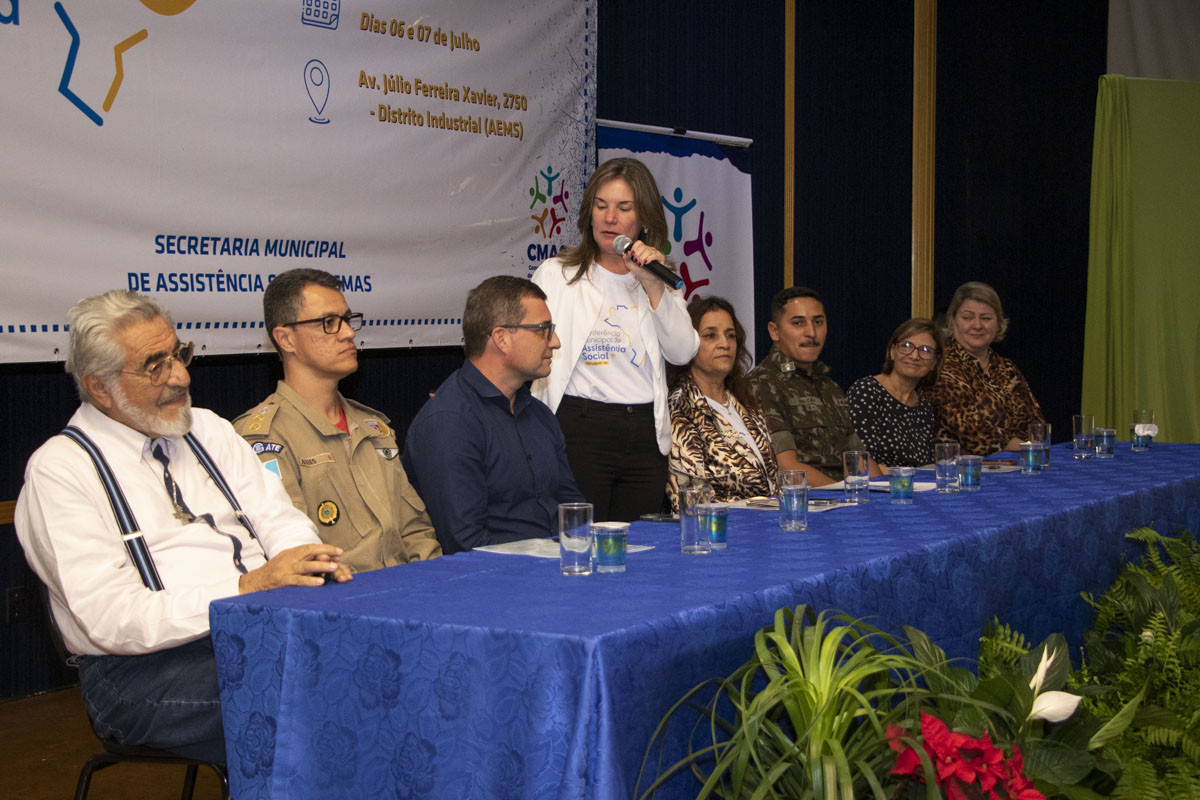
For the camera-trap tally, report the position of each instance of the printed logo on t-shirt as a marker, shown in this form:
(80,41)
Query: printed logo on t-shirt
(612,343)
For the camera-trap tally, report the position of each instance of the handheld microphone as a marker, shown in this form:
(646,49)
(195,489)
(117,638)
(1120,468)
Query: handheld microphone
(659,270)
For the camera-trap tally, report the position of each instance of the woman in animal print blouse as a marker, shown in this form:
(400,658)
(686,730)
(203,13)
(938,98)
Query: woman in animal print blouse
(718,436)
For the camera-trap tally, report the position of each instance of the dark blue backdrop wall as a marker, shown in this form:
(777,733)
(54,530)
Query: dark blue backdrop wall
(1016,94)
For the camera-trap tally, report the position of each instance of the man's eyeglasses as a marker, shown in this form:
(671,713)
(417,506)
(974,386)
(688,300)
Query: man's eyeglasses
(158,372)
(922,350)
(332,323)
(544,328)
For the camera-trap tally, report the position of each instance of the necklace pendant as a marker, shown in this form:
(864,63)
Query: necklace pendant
(183,516)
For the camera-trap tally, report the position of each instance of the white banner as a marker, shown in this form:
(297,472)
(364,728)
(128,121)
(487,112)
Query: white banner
(193,150)
(706,199)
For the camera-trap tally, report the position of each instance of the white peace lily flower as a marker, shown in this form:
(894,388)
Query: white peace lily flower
(1054,706)
(1051,706)
(1039,676)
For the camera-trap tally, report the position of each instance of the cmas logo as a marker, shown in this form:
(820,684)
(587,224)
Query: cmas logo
(548,211)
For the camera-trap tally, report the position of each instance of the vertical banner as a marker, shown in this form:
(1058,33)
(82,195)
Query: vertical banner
(705,185)
(192,150)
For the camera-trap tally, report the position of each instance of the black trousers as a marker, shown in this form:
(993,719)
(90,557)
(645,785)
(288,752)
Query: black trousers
(613,452)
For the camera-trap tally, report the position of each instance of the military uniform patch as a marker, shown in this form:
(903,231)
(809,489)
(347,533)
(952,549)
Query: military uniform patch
(377,426)
(267,447)
(387,452)
(328,513)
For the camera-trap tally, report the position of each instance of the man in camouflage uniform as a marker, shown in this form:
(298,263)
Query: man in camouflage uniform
(804,408)
(338,459)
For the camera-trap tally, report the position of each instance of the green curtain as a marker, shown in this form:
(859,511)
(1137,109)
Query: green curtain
(1142,336)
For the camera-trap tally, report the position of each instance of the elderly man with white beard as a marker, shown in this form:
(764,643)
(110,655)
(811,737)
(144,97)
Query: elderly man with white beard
(142,512)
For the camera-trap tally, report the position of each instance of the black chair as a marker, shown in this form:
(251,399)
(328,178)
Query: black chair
(116,753)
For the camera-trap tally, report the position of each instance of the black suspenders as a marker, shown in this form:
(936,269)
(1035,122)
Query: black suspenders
(131,535)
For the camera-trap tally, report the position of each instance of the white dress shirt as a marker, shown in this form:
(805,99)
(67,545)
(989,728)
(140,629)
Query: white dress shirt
(72,540)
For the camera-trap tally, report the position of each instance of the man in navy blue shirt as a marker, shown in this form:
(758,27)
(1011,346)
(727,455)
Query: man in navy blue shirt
(488,458)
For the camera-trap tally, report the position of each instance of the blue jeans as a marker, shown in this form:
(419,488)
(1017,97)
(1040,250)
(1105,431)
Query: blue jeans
(167,699)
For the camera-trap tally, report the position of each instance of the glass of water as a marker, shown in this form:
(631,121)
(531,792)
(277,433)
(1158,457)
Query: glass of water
(793,499)
(693,540)
(1083,426)
(945,457)
(575,538)
(855,465)
(1105,441)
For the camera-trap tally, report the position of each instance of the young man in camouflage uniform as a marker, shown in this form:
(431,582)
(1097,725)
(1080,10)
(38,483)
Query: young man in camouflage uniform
(338,459)
(804,408)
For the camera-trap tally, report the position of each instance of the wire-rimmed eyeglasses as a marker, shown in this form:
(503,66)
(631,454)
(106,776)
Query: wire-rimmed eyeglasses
(332,323)
(158,372)
(921,350)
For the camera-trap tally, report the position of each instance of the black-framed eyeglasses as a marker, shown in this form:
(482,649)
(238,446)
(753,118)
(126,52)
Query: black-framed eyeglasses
(332,323)
(544,328)
(922,350)
(158,372)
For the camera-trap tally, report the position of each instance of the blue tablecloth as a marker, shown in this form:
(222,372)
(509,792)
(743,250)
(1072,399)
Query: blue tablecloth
(493,676)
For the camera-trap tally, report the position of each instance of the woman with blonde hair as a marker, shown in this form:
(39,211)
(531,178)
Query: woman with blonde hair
(982,400)
(619,326)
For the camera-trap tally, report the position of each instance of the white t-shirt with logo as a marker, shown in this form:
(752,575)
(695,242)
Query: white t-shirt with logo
(613,367)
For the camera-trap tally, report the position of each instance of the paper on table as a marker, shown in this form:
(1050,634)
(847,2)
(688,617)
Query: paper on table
(880,485)
(815,506)
(543,548)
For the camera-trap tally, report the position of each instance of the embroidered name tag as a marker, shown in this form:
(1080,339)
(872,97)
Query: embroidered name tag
(319,458)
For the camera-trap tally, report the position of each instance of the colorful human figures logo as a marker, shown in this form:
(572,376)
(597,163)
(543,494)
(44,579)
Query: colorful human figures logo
(693,276)
(548,211)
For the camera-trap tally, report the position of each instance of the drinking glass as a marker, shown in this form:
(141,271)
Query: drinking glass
(945,456)
(793,499)
(855,473)
(575,538)
(1040,432)
(692,540)
(1082,426)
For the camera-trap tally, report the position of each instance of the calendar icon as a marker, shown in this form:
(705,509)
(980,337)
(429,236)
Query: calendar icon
(321,13)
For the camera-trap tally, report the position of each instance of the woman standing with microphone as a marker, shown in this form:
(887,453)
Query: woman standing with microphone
(619,324)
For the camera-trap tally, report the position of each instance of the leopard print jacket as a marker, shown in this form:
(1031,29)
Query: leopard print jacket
(704,447)
(981,410)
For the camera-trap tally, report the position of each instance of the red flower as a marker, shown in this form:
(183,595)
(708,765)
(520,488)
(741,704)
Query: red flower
(1016,784)
(908,762)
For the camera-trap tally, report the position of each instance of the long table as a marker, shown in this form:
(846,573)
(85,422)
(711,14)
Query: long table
(484,675)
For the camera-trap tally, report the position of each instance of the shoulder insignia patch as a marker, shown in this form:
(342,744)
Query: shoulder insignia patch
(377,426)
(273,466)
(256,422)
(327,513)
(267,447)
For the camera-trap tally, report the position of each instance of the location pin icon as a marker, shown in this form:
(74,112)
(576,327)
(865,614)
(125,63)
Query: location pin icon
(316,81)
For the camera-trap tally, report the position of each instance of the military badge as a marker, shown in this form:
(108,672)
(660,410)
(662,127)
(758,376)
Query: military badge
(328,513)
